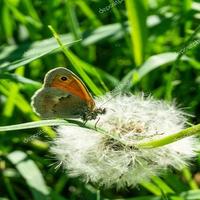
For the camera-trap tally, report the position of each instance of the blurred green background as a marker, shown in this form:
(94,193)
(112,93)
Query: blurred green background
(151,44)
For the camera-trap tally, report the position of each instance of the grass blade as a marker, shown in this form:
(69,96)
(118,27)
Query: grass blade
(36,124)
(151,188)
(30,172)
(137,20)
(13,57)
(72,19)
(88,12)
(75,62)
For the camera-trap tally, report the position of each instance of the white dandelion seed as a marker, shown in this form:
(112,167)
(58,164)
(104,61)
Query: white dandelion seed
(104,161)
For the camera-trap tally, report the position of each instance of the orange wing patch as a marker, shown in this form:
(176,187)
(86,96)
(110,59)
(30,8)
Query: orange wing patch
(75,87)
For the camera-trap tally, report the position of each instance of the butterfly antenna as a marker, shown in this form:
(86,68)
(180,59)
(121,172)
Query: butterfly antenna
(116,91)
(97,123)
(108,100)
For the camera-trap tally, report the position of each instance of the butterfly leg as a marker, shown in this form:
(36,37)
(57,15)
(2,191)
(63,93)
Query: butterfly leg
(84,122)
(96,123)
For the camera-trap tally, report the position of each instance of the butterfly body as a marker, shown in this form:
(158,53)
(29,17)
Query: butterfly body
(64,95)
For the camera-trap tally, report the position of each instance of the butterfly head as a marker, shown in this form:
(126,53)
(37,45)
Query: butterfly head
(93,114)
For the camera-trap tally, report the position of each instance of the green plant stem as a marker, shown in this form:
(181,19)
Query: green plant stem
(33,125)
(147,144)
(98,195)
(169,138)
(58,122)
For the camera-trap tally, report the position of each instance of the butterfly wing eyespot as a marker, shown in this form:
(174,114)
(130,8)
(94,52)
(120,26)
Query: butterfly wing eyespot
(63,78)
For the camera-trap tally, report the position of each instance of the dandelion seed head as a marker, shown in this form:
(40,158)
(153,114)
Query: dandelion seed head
(100,159)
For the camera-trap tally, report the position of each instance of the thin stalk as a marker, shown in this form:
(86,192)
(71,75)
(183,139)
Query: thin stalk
(98,195)
(187,175)
(9,188)
(169,138)
(153,143)
(58,122)
(32,125)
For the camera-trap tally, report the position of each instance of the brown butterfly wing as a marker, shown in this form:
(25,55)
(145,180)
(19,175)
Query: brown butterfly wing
(73,84)
(70,106)
(53,103)
(62,99)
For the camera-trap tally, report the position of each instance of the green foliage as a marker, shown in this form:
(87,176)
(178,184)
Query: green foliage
(151,45)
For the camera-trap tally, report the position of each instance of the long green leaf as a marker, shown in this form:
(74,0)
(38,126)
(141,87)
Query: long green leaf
(14,57)
(24,107)
(30,172)
(88,12)
(18,79)
(72,19)
(162,185)
(152,63)
(191,195)
(151,187)
(10,103)
(34,125)
(137,20)
(76,64)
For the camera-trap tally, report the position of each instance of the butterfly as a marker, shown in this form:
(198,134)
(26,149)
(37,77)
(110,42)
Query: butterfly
(64,95)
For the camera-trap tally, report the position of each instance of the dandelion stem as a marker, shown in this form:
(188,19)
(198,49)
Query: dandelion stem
(169,139)
(153,143)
